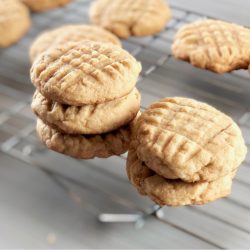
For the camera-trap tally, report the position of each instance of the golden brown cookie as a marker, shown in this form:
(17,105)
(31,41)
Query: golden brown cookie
(85,73)
(130,17)
(214,45)
(180,138)
(14,22)
(43,5)
(174,192)
(70,33)
(87,119)
(86,146)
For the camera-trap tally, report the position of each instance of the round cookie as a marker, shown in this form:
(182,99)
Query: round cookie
(14,22)
(85,73)
(180,138)
(87,119)
(85,146)
(130,17)
(214,45)
(43,5)
(70,33)
(174,192)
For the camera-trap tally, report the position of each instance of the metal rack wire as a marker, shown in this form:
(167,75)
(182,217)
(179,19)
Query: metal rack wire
(17,124)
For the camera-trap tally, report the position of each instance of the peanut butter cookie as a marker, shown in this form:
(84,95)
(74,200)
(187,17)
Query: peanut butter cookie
(14,22)
(174,192)
(214,45)
(70,33)
(85,73)
(87,119)
(130,17)
(43,5)
(180,138)
(85,146)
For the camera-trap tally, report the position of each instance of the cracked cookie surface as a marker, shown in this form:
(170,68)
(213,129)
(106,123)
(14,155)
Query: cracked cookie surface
(43,5)
(85,73)
(174,192)
(180,138)
(70,33)
(14,22)
(130,17)
(214,45)
(86,146)
(87,119)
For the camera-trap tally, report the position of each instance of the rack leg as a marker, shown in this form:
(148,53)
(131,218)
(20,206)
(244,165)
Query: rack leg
(137,218)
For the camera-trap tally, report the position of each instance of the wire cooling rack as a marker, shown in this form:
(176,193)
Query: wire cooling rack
(161,76)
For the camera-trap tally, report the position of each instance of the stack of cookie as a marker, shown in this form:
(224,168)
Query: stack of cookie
(86,98)
(184,152)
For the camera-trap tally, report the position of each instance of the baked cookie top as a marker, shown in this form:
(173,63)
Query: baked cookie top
(87,119)
(70,33)
(180,138)
(42,5)
(12,10)
(130,17)
(174,192)
(85,73)
(214,45)
(14,21)
(86,146)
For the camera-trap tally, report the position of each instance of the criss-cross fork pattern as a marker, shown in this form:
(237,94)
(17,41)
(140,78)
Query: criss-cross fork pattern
(161,76)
